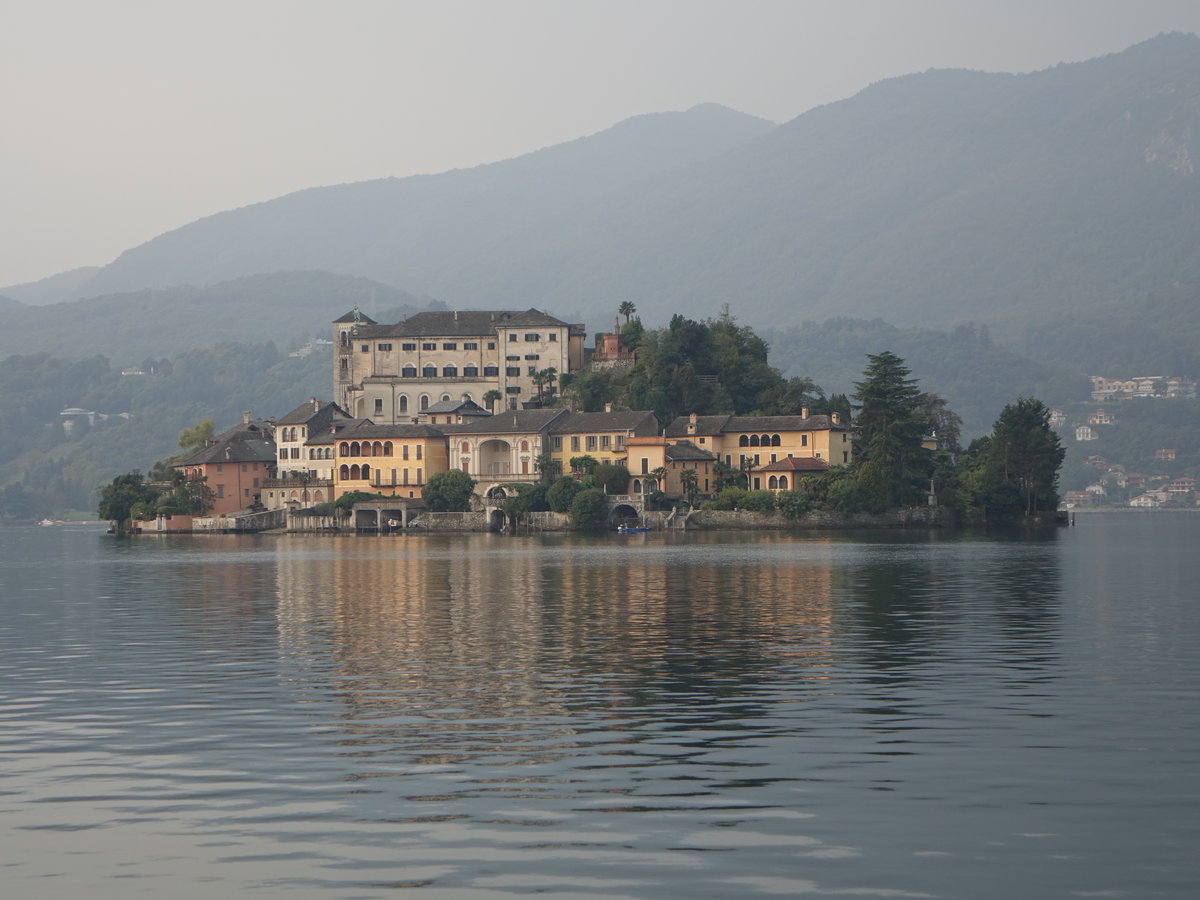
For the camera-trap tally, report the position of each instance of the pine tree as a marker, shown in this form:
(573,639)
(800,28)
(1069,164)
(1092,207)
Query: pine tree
(893,467)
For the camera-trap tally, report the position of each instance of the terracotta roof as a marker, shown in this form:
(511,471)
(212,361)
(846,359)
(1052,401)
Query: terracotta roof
(794,464)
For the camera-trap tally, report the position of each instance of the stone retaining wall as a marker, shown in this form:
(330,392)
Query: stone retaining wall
(740,520)
(450,521)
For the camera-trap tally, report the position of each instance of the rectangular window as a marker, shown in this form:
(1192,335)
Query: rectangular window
(449,345)
(491,345)
(406,474)
(295,453)
(591,442)
(804,440)
(645,466)
(418,455)
(491,371)
(283,453)
(404,452)
(772,457)
(533,370)
(366,348)
(220,492)
(512,390)
(556,442)
(385,347)
(605,441)
(393,476)
(245,468)
(516,358)
(512,371)
(532,356)
(408,346)
(429,345)
(843,437)
(378,405)
(470,345)
(553,336)
(254,482)
(620,442)
(574,443)
(419,475)
(532,338)
(511,337)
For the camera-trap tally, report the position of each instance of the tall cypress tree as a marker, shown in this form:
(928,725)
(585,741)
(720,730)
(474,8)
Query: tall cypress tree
(1025,452)
(893,467)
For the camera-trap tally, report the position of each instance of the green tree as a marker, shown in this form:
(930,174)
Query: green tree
(1025,452)
(892,467)
(197,437)
(627,309)
(449,491)
(118,499)
(586,464)
(561,493)
(691,485)
(490,398)
(547,466)
(612,478)
(589,510)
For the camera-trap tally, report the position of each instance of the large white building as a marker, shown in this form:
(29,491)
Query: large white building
(390,373)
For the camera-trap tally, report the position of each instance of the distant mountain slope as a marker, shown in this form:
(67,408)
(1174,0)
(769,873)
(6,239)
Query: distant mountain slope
(128,328)
(1051,205)
(406,230)
(56,288)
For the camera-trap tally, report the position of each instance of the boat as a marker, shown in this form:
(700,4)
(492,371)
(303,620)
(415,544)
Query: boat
(632,529)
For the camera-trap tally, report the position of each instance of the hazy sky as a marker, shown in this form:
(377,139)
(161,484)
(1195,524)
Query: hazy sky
(126,118)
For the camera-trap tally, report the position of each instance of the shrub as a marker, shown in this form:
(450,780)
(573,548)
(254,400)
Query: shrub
(589,510)
(758,501)
(794,504)
(561,493)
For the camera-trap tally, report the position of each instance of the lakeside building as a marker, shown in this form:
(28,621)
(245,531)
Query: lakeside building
(600,435)
(304,470)
(502,448)
(389,373)
(235,463)
(749,441)
(391,459)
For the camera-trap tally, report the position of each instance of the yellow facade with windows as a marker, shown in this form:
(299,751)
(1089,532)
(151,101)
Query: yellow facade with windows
(396,460)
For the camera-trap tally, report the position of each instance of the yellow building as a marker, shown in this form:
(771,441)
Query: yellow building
(751,441)
(600,435)
(657,464)
(396,460)
(390,373)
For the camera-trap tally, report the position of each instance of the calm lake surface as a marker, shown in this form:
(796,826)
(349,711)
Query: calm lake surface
(649,716)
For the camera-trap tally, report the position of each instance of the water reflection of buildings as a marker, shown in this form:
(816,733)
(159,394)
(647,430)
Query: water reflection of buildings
(429,633)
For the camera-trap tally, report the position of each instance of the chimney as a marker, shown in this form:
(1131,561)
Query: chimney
(608,406)
(315,404)
(835,418)
(691,429)
(246,417)
(804,412)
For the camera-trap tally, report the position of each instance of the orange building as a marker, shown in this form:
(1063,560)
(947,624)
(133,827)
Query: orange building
(235,463)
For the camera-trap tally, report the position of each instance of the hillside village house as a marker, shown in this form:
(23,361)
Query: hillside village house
(750,441)
(389,373)
(235,463)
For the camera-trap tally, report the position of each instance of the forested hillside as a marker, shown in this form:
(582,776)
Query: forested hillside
(46,471)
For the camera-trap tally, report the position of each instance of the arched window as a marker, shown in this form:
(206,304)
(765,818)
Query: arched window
(344,449)
(424,402)
(377,449)
(773,482)
(402,403)
(637,485)
(344,472)
(409,371)
(366,472)
(387,448)
(445,398)
(429,372)
(774,440)
(464,447)
(524,446)
(743,441)
(754,440)
(355,448)
(783,482)
(765,441)
(345,339)
(449,371)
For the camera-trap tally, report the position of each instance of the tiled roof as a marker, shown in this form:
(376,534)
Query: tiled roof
(461,407)
(752,424)
(313,413)
(510,421)
(683,451)
(238,450)
(461,323)
(349,317)
(596,422)
(366,430)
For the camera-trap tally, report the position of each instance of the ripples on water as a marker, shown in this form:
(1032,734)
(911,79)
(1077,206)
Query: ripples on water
(639,716)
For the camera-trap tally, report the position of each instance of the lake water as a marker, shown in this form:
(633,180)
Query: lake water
(649,716)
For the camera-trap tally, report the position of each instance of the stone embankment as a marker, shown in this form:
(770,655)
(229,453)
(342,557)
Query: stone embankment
(742,520)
